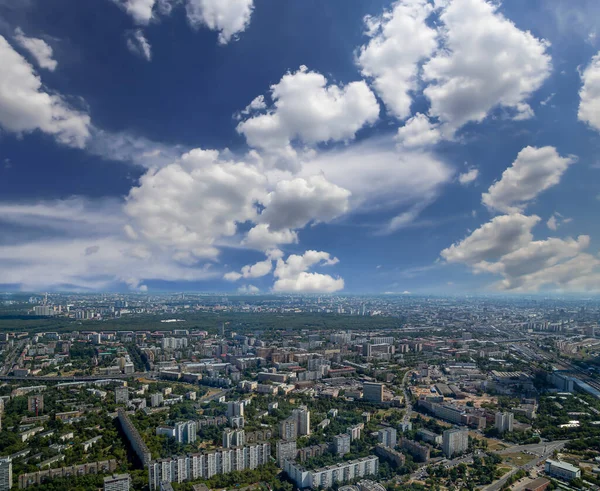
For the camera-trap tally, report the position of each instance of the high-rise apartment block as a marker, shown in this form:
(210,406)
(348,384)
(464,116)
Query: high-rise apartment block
(504,422)
(455,441)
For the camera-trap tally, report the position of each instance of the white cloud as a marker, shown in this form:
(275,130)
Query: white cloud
(308,110)
(380,177)
(557,220)
(228,17)
(485,62)
(232,276)
(83,248)
(294,203)
(502,235)
(534,171)
(468,177)
(589,105)
(190,204)
(262,237)
(505,246)
(417,132)
(293,276)
(139,45)
(25,106)
(248,289)
(257,104)
(38,48)
(400,40)
(141,11)
(127,147)
(257,270)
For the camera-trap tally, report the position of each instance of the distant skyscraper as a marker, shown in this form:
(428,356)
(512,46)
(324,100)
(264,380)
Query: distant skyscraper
(455,441)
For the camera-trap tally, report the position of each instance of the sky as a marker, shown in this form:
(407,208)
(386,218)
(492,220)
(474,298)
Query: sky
(258,146)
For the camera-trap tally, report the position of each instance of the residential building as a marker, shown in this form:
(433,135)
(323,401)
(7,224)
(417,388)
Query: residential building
(235,408)
(327,476)
(302,415)
(387,437)
(373,392)
(121,395)
(286,450)
(420,453)
(35,404)
(117,482)
(288,429)
(455,441)
(192,467)
(5,473)
(156,399)
(504,422)
(341,444)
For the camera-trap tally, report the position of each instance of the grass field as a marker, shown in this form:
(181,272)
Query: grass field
(517,459)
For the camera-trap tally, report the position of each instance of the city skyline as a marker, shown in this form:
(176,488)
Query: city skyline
(347,147)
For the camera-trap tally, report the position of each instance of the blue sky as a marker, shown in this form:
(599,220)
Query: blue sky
(307,146)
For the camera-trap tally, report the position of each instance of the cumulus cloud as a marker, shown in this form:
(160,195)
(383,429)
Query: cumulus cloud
(26,106)
(417,132)
(141,11)
(227,17)
(505,246)
(468,177)
(294,203)
(292,274)
(139,45)
(534,171)
(589,105)
(257,270)
(38,48)
(485,62)
(308,110)
(262,237)
(400,40)
(502,235)
(552,223)
(191,203)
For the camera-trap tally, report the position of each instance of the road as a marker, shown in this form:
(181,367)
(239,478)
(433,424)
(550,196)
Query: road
(546,449)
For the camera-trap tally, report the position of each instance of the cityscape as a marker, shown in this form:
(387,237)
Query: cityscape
(391,392)
(299,245)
